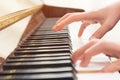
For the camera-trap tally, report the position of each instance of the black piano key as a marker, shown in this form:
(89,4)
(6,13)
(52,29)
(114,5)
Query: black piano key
(16,53)
(38,70)
(46,34)
(48,23)
(51,33)
(38,59)
(39,55)
(55,40)
(59,37)
(51,76)
(49,36)
(35,43)
(42,42)
(39,64)
(41,51)
(48,28)
(46,40)
(42,47)
(47,44)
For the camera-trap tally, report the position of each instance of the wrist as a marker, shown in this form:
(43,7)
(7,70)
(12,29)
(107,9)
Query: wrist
(117,7)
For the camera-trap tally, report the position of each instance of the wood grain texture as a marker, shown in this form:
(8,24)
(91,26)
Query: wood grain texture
(9,19)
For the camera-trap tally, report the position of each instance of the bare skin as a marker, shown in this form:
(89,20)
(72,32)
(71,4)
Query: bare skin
(107,17)
(95,47)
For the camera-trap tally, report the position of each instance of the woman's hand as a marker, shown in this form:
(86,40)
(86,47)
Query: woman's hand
(107,17)
(94,47)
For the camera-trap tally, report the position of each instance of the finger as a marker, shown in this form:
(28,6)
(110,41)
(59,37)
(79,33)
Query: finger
(107,26)
(63,23)
(65,16)
(114,66)
(78,53)
(72,18)
(82,28)
(99,33)
(92,51)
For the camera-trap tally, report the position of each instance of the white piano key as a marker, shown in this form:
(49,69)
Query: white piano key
(99,76)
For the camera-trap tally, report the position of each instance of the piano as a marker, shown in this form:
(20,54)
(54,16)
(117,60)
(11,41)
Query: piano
(41,53)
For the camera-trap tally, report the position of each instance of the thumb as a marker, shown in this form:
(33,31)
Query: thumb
(114,66)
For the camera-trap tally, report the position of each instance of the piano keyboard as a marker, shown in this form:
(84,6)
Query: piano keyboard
(44,55)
